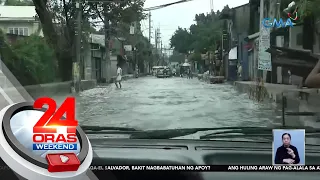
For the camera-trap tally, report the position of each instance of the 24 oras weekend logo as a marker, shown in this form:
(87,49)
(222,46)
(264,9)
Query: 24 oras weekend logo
(38,136)
(52,131)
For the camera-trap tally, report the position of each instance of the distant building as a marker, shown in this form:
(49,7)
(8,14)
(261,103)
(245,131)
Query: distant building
(94,58)
(19,20)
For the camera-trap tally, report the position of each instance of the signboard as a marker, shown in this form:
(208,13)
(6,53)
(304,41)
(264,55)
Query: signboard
(275,23)
(264,59)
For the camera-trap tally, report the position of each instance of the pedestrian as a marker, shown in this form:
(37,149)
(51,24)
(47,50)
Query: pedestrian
(189,73)
(165,72)
(119,76)
(239,71)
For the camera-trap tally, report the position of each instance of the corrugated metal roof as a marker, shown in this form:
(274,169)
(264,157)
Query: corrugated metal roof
(17,11)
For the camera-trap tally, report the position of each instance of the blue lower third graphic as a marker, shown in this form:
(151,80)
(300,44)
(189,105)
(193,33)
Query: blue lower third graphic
(54,146)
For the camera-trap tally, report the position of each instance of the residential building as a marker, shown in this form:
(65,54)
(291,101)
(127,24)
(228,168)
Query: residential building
(237,22)
(94,58)
(19,20)
(295,44)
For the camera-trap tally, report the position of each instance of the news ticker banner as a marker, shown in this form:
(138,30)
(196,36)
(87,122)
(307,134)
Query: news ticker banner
(204,168)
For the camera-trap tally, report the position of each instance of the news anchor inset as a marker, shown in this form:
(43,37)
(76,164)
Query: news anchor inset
(288,146)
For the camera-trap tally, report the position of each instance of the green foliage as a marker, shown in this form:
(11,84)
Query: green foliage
(201,37)
(195,57)
(124,12)
(181,40)
(308,7)
(36,57)
(305,8)
(29,59)
(61,36)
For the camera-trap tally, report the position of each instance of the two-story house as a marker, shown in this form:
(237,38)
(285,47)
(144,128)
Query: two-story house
(237,22)
(19,20)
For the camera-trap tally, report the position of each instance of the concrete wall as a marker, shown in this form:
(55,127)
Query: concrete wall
(52,89)
(297,100)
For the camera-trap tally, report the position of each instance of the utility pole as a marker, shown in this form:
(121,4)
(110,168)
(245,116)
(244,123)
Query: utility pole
(156,44)
(150,27)
(107,30)
(161,58)
(158,38)
(150,56)
(76,63)
(260,72)
(135,49)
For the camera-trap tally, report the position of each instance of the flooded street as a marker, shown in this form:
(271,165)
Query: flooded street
(154,103)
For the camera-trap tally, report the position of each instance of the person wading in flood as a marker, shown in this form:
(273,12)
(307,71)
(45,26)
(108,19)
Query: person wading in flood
(119,76)
(189,73)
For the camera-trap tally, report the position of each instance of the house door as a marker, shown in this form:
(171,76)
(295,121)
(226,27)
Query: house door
(98,69)
(82,68)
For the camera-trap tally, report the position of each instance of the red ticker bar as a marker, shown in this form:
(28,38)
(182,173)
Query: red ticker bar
(202,168)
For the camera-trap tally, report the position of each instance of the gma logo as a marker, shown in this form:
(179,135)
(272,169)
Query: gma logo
(268,23)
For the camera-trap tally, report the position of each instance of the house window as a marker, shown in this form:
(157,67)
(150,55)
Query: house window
(26,31)
(299,39)
(16,31)
(19,31)
(10,30)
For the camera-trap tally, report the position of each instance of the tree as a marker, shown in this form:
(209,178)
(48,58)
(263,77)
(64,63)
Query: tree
(37,60)
(58,22)
(113,13)
(201,37)
(29,59)
(307,8)
(181,40)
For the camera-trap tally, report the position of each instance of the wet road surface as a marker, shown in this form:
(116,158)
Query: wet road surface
(153,103)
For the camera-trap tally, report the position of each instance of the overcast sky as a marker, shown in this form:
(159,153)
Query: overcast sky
(168,19)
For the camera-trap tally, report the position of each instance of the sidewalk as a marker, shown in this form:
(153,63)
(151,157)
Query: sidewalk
(298,100)
(274,91)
